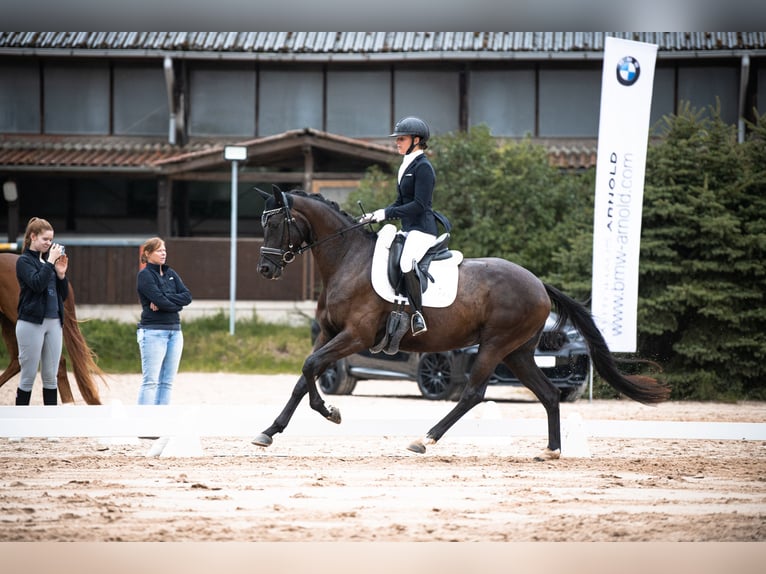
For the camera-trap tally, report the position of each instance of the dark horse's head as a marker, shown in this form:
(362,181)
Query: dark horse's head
(282,236)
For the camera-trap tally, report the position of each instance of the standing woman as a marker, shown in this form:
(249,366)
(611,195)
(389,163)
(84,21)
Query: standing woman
(41,272)
(415,190)
(160,339)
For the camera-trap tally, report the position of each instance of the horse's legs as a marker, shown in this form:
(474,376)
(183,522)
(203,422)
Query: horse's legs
(472,395)
(314,365)
(63,383)
(9,336)
(522,363)
(280,423)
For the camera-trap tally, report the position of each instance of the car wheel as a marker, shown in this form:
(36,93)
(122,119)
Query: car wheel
(436,379)
(336,380)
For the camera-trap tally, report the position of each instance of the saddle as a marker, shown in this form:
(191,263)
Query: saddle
(437,252)
(437,268)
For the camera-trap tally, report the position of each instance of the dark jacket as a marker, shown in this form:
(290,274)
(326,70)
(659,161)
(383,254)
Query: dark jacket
(34,276)
(415,193)
(167,291)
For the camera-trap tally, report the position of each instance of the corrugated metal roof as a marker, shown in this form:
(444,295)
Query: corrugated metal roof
(371,43)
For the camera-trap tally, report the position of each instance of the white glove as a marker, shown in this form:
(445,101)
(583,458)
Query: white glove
(374,217)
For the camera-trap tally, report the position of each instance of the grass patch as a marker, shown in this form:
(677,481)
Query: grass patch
(255,347)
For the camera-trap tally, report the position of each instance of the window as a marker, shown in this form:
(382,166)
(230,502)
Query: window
(504,100)
(76,98)
(700,86)
(140,101)
(663,95)
(19,99)
(222,102)
(432,96)
(358,103)
(290,100)
(570,103)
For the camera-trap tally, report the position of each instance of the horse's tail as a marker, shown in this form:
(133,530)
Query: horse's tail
(640,388)
(82,357)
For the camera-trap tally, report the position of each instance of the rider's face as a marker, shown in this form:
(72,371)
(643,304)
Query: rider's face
(403,144)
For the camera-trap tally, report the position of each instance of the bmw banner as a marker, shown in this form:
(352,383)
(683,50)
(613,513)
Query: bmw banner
(623,136)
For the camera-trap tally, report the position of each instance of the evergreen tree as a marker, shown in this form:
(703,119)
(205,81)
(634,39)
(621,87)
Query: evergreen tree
(700,288)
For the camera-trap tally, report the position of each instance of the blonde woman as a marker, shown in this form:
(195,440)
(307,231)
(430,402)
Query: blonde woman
(162,295)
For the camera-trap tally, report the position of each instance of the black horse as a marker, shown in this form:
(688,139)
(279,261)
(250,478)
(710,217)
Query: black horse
(500,305)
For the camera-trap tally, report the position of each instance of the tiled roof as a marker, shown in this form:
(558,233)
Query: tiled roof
(45,152)
(155,156)
(80,152)
(335,44)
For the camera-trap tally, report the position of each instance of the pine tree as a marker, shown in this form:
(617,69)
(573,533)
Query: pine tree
(701,290)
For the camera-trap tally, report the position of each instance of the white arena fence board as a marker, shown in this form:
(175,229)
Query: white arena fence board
(247,421)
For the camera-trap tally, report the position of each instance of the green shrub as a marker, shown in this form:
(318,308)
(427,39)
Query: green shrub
(255,347)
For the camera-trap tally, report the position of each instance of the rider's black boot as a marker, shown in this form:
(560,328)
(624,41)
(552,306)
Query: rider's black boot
(415,295)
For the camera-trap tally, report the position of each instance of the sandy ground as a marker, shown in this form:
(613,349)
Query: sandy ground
(336,487)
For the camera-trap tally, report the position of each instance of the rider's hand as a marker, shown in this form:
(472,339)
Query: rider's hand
(379,215)
(374,217)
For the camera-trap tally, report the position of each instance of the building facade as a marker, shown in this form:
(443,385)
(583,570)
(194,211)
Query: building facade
(115,137)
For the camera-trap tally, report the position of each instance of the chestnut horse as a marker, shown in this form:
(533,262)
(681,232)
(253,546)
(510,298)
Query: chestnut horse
(77,348)
(499,305)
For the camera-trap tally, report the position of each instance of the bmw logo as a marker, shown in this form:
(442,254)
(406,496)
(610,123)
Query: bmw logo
(628,71)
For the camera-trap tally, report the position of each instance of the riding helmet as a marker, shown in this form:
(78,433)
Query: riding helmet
(412,126)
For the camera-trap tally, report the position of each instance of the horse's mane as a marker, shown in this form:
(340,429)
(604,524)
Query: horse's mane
(330,203)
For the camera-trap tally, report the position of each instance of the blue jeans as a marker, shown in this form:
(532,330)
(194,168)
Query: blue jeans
(160,356)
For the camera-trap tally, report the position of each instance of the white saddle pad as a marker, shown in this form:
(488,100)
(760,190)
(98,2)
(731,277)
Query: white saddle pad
(440,293)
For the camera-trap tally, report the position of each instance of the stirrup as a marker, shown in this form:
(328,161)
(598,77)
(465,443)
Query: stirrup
(418,324)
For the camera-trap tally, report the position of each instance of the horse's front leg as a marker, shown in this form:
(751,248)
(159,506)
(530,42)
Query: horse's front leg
(280,423)
(316,401)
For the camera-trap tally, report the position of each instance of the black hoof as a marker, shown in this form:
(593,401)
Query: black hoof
(262,440)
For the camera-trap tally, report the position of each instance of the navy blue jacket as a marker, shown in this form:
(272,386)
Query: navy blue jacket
(34,276)
(167,291)
(414,197)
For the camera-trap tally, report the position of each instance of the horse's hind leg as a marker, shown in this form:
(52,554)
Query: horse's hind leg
(472,395)
(280,423)
(522,363)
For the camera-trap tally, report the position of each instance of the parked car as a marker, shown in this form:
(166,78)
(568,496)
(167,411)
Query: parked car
(561,354)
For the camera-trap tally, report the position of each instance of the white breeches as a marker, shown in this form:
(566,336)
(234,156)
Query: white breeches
(415,246)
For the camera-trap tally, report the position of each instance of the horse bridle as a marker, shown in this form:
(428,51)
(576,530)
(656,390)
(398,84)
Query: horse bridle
(288,256)
(285,256)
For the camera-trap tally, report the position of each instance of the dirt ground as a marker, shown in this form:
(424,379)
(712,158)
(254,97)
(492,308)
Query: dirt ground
(371,489)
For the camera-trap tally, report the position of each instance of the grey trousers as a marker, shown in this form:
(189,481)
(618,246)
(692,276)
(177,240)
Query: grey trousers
(39,346)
